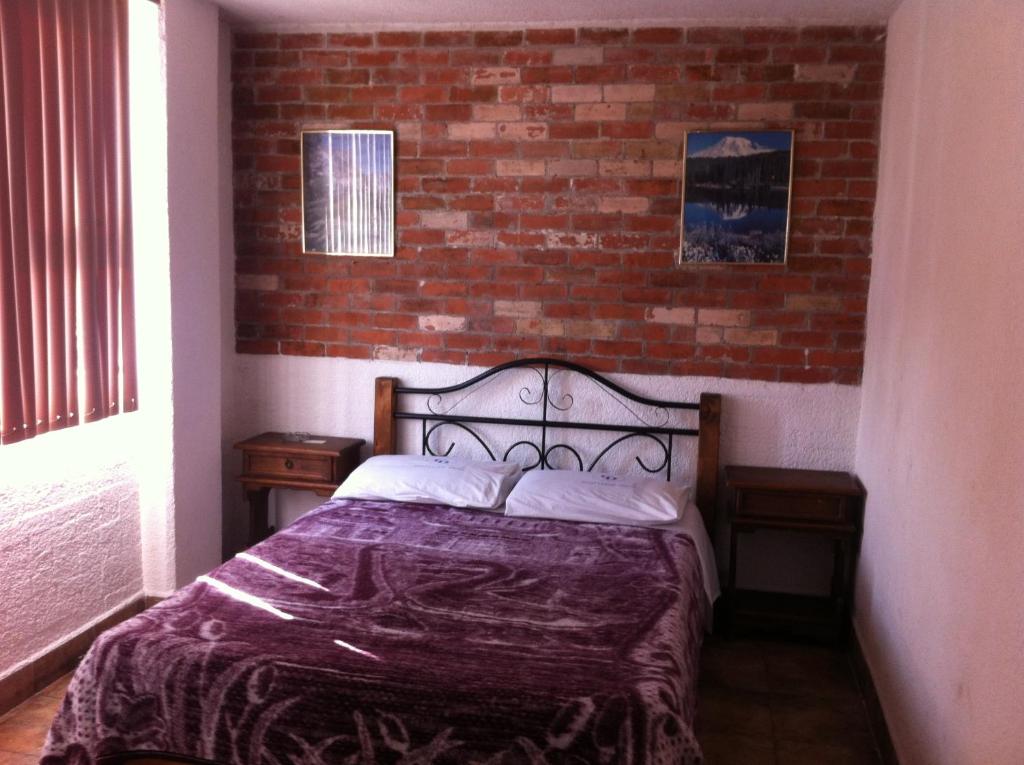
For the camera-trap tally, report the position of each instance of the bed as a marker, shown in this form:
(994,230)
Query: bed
(375,631)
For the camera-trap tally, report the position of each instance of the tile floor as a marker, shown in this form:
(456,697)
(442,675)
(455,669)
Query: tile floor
(766,703)
(760,703)
(23,729)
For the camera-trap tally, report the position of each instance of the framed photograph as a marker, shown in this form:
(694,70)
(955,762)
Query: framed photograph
(736,190)
(348,183)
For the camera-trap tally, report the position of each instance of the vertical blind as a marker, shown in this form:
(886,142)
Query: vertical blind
(67,337)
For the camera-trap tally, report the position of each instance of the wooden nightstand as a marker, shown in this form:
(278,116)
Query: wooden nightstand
(318,464)
(826,503)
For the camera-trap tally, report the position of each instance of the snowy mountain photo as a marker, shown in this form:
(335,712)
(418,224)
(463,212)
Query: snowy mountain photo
(736,192)
(732,146)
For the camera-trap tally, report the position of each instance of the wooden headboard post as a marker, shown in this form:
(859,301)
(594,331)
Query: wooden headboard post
(707,458)
(385,432)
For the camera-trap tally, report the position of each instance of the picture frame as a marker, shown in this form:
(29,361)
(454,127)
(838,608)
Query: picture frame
(348,192)
(736,198)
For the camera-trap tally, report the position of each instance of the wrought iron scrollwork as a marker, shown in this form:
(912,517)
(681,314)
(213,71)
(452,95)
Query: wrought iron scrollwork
(572,451)
(436,404)
(665,450)
(526,393)
(428,432)
(652,425)
(564,397)
(536,449)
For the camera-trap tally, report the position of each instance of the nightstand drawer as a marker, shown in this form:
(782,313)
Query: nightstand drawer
(809,508)
(276,461)
(289,466)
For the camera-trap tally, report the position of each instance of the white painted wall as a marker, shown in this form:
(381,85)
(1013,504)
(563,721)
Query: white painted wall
(148,99)
(196,215)
(227,267)
(941,437)
(69,534)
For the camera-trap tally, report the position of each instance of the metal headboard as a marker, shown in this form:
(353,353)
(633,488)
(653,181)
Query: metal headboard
(439,414)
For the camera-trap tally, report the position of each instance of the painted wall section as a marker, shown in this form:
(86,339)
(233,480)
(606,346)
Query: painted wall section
(192,38)
(941,436)
(538,197)
(69,534)
(148,98)
(229,472)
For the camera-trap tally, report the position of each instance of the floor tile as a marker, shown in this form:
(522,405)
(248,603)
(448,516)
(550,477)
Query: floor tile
(815,713)
(732,712)
(810,671)
(721,749)
(740,666)
(820,721)
(24,729)
(796,753)
(58,687)
(15,758)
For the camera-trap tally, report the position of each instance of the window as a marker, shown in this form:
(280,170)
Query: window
(67,338)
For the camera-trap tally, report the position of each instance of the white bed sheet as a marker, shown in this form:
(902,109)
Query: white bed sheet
(692,524)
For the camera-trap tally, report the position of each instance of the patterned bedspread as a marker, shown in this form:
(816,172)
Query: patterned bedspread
(373,632)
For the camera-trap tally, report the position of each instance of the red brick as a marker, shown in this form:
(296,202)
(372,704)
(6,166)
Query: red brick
(770,36)
(447,39)
(825,110)
(792,91)
(274,59)
(658,36)
(422,94)
(527,57)
(350,40)
(714,36)
(399,39)
(349,112)
(246,41)
(306,76)
(603,36)
(497,39)
(550,36)
(738,92)
(478,94)
(606,73)
(727,55)
(547,75)
(298,41)
(475,227)
(296,348)
(373,94)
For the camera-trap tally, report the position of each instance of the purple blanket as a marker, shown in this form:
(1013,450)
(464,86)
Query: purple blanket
(374,632)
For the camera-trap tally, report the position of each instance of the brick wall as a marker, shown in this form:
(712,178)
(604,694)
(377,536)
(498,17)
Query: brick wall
(538,197)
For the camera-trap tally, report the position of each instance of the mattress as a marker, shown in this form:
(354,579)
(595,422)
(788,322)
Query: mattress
(384,632)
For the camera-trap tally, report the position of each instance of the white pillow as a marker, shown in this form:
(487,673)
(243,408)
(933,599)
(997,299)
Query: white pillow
(441,480)
(571,495)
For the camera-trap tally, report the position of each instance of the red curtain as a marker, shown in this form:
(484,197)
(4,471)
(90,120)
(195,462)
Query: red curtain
(67,324)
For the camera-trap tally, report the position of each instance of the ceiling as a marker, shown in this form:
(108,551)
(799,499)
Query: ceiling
(453,14)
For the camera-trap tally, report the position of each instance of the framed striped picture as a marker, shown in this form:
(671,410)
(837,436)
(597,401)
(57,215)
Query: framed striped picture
(348,192)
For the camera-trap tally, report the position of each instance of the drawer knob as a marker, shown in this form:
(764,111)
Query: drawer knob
(289,464)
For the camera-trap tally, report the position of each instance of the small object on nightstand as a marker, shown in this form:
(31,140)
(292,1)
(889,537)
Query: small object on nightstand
(285,461)
(829,504)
